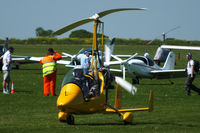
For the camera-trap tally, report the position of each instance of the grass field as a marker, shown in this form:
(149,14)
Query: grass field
(29,111)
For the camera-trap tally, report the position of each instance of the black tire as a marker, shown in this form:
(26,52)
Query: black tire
(70,120)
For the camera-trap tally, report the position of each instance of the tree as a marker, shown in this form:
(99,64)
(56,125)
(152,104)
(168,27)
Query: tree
(83,34)
(44,33)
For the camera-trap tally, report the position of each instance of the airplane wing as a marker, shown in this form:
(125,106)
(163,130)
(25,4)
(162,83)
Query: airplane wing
(27,59)
(123,56)
(112,63)
(64,62)
(177,73)
(180,47)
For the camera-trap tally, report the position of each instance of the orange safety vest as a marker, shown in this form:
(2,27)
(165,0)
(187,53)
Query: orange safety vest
(49,65)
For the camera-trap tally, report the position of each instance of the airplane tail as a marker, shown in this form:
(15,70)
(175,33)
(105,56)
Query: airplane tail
(170,61)
(109,48)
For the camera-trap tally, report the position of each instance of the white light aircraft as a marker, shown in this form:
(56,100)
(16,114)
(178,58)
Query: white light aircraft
(144,67)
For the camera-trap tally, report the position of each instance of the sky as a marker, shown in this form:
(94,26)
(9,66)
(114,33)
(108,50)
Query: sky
(20,18)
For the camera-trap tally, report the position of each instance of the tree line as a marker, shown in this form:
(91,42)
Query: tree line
(85,37)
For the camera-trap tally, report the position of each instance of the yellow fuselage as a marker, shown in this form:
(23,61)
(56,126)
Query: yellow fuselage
(71,101)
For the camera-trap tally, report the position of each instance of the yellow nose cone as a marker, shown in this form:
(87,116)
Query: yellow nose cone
(70,95)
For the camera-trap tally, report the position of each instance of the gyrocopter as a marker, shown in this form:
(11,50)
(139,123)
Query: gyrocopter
(73,100)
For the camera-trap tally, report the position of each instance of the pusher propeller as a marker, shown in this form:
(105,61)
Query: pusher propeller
(125,61)
(126,85)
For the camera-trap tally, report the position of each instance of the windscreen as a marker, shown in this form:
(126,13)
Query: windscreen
(67,77)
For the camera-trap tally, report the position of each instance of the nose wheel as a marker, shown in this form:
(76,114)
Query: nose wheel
(70,120)
(65,117)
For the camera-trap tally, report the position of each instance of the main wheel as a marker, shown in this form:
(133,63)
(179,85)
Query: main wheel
(135,81)
(70,120)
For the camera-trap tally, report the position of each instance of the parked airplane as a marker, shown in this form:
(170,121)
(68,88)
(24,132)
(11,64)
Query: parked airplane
(162,53)
(144,67)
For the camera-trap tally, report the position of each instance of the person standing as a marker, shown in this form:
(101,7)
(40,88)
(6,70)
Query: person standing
(7,61)
(49,71)
(85,62)
(191,75)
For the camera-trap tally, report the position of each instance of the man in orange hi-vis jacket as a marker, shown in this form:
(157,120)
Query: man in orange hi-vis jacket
(49,71)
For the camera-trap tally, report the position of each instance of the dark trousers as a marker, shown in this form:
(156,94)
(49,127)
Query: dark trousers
(189,86)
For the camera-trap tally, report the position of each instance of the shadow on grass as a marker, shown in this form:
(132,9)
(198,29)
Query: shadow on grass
(29,69)
(24,92)
(21,91)
(100,124)
(160,84)
(168,124)
(140,123)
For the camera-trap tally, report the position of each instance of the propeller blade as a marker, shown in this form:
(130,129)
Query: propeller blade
(72,26)
(67,55)
(124,72)
(126,85)
(104,13)
(94,17)
(129,58)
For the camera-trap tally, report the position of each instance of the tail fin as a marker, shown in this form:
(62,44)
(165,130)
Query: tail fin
(170,61)
(109,48)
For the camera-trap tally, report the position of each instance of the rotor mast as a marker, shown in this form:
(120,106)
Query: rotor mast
(95,46)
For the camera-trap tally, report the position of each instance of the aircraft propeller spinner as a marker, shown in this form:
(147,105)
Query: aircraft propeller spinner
(95,17)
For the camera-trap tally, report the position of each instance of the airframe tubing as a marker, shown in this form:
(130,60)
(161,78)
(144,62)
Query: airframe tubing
(119,111)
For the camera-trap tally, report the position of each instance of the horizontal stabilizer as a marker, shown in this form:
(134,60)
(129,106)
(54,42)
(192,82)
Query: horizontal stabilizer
(176,73)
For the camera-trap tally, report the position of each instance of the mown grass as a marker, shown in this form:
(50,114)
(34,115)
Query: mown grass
(29,111)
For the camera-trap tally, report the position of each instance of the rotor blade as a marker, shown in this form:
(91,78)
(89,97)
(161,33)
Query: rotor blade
(104,13)
(84,21)
(72,26)
(126,85)
(161,35)
(172,29)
